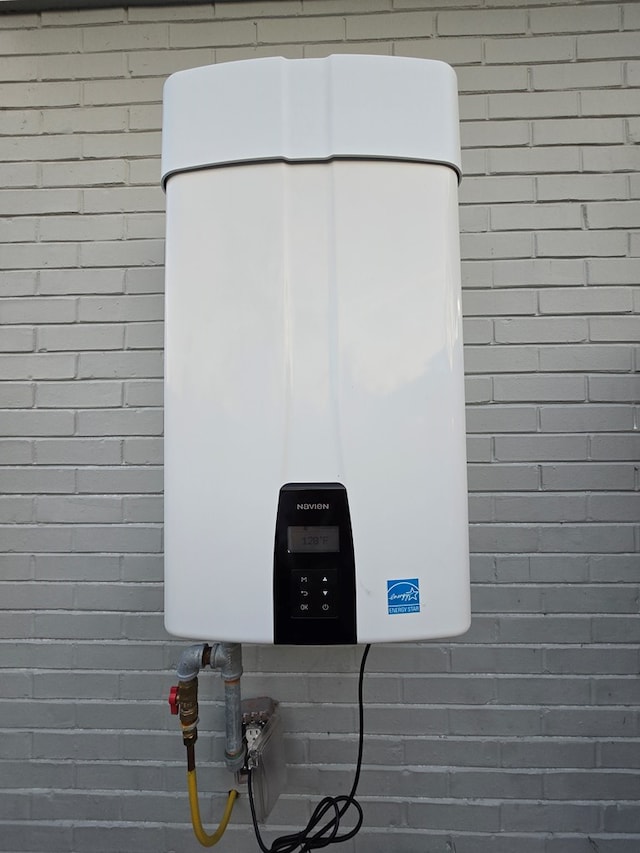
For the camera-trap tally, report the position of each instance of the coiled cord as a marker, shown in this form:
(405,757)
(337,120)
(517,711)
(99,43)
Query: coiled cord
(317,834)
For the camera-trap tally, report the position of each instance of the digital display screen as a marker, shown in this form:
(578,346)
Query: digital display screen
(313,539)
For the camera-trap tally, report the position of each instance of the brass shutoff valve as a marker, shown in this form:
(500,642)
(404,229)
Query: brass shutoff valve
(183,700)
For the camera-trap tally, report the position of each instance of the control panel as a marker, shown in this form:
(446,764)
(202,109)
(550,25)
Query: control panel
(314,567)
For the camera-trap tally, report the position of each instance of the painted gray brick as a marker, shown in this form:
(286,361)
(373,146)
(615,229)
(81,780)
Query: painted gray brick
(538,272)
(18,175)
(540,507)
(567,538)
(89,336)
(578,75)
(534,160)
(541,447)
(134,147)
(491,538)
(396,26)
(102,173)
(492,303)
(614,329)
(585,358)
(138,567)
(586,418)
(119,422)
(78,451)
(37,366)
(495,359)
(548,752)
(609,159)
(16,395)
(478,331)
(216,33)
(68,625)
(533,49)
(614,389)
(582,187)
(126,365)
(478,389)
(78,510)
(587,598)
(479,134)
(62,228)
(35,310)
(74,567)
(597,19)
(73,394)
(549,629)
(102,93)
(143,509)
(598,660)
(38,255)
(145,280)
(48,836)
(36,423)
(124,480)
(618,447)
(587,476)
(542,330)
(533,104)
(535,216)
(580,243)
(16,510)
(499,188)
(451,751)
(60,147)
(586,300)
(487,78)
(143,451)
(503,477)
(570,131)
(146,335)
(619,753)
(555,817)
(598,786)
(81,281)
(616,691)
(539,388)
(125,199)
(119,253)
(501,419)
(484,22)
(621,629)
(480,817)
(84,119)
(19,282)
(144,393)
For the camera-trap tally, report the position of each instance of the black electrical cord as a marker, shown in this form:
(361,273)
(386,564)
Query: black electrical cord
(316,834)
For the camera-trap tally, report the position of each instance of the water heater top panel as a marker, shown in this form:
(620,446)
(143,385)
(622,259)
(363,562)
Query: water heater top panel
(396,108)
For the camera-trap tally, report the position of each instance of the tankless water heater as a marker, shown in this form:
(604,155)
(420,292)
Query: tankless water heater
(315,447)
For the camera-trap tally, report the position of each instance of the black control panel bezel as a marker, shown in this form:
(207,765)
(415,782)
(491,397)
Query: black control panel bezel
(327,578)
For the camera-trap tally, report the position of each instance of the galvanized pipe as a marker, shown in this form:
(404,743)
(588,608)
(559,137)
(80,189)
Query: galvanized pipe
(227,657)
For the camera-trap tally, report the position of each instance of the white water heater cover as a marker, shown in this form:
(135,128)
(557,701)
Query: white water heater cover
(315,486)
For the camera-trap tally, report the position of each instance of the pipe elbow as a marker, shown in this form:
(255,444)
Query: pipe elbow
(227,657)
(190,662)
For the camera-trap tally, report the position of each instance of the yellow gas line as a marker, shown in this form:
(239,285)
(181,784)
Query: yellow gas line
(199,831)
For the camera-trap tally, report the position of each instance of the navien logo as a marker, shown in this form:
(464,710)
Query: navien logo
(312,506)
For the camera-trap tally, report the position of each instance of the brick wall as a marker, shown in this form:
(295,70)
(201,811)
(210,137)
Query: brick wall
(522,735)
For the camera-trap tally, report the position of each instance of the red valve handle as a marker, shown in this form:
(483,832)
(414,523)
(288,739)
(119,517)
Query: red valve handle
(173,699)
